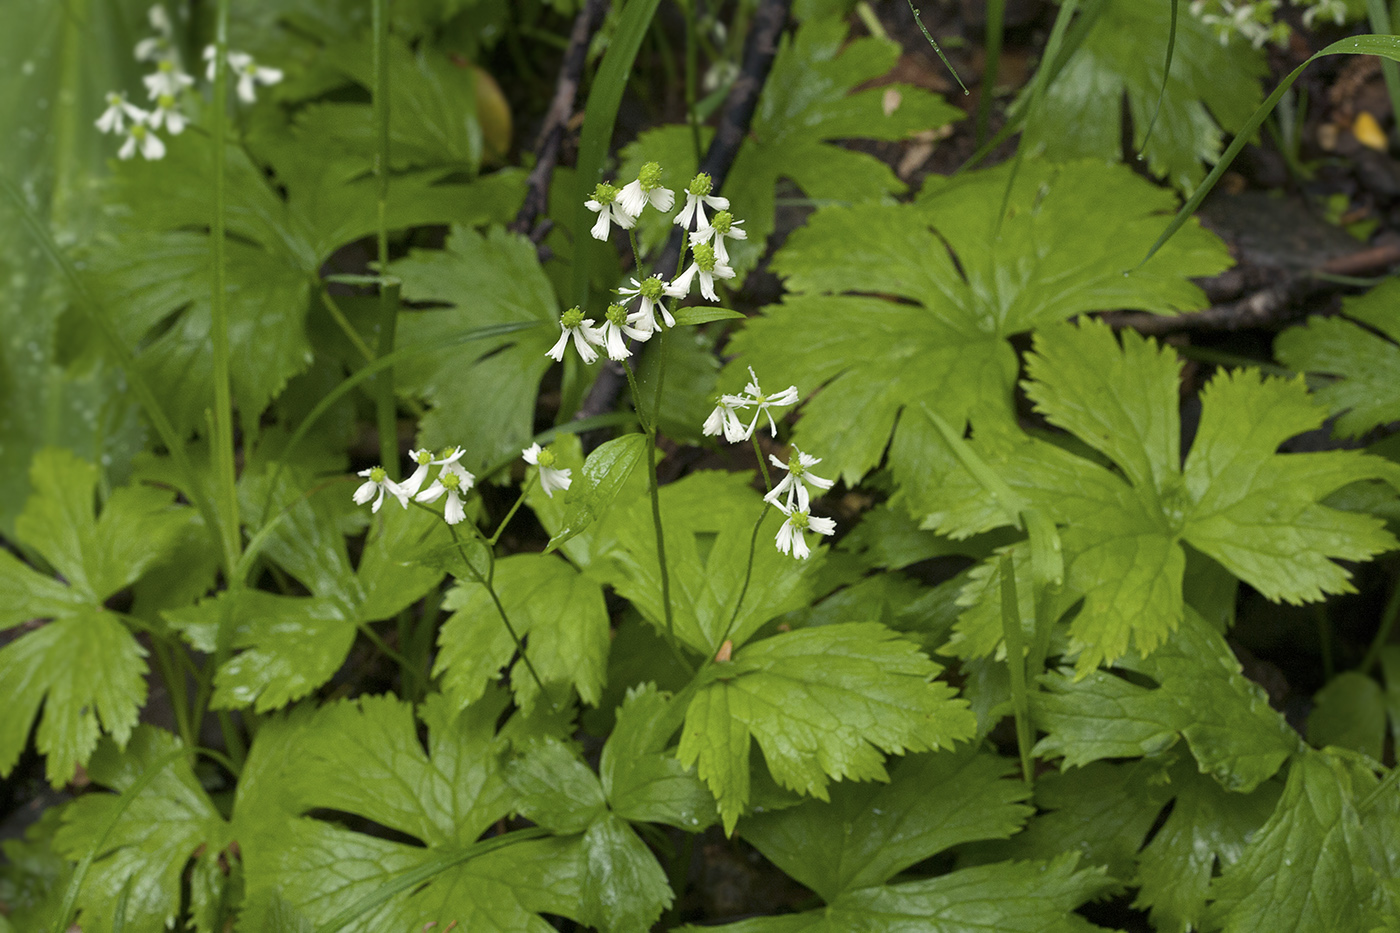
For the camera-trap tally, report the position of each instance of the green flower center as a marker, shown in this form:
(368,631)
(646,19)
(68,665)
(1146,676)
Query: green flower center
(650,176)
(617,315)
(114,100)
(795,466)
(451,481)
(423,457)
(722,222)
(378,474)
(700,185)
(704,256)
(604,193)
(165,102)
(799,520)
(138,131)
(652,289)
(545,459)
(571,319)
(166,66)
(446,452)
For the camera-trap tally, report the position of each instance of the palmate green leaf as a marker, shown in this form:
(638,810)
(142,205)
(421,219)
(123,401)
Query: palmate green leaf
(1200,695)
(557,611)
(1237,500)
(482,396)
(1008,897)
(364,757)
(868,833)
(643,781)
(823,704)
(1359,349)
(170,823)
(808,101)
(1318,864)
(1211,86)
(709,520)
(968,280)
(84,666)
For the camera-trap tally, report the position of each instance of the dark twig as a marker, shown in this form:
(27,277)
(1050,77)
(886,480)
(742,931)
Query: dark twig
(735,118)
(561,110)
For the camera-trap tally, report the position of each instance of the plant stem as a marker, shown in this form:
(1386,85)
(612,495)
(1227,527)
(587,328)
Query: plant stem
(174,678)
(996,18)
(524,490)
(1388,616)
(344,324)
(386,413)
(223,401)
(753,540)
(390,653)
(1016,663)
(500,609)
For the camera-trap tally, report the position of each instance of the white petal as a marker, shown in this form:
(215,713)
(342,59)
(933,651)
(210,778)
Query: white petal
(432,493)
(557,351)
(128,148)
(683,218)
(246,91)
(531,454)
(617,349)
(601,227)
(707,285)
(799,545)
(582,343)
(268,75)
(680,287)
(365,492)
(453,513)
(661,198)
(552,479)
(822,526)
(715,423)
(715,200)
(151,147)
(632,198)
(414,483)
(785,534)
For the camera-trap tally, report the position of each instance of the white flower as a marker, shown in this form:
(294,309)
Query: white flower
(424,460)
(250,73)
(797,480)
(168,112)
(614,325)
(635,196)
(157,47)
(696,197)
(723,227)
(141,136)
(724,418)
(166,81)
(761,403)
(551,477)
(707,266)
(1336,9)
(791,538)
(606,205)
(454,481)
(378,480)
(113,119)
(585,336)
(643,321)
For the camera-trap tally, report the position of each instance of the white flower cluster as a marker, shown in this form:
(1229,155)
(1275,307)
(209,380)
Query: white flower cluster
(709,254)
(452,480)
(167,87)
(1258,21)
(792,496)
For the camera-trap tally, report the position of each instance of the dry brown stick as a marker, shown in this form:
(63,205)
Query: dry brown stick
(556,119)
(760,48)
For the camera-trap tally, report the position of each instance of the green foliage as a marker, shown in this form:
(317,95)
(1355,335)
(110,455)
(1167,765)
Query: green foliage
(1255,511)
(969,278)
(83,664)
(809,100)
(1212,87)
(1358,349)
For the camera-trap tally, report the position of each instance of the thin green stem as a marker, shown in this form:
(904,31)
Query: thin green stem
(748,571)
(344,324)
(636,252)
(233,740)
(1016,663)
(391,654)
(500,609)
(762,464)
(941,57)
(174,678)
(524,490)
(637,400)
(223,401)
(1388,616)
(386,411)
(996,17)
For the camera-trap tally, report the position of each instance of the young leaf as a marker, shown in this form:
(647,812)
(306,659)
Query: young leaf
(603,476)
(1257,512)
(364,757)
(558,611)
(169,823)
(969,284)
(808,100)
(823,704)
(870,832)
(1210,83)
(84,666)
(1357,347)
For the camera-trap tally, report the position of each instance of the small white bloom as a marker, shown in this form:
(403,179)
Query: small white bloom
(140,136)
(168,112)
(724,419)
(249,73)
(586,337)
(614,326)
(119,110)
(797,480)
(378,480)
(723,227)
(791,537)
(157,47)
(606,205)
(166,81)
(454,481)
(643,321)
(424,460)
(551,477)
(755,398)
(696,197)
(707,266)
(636,195)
